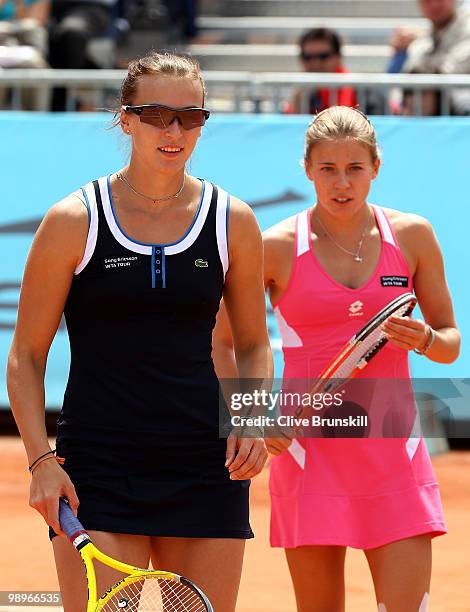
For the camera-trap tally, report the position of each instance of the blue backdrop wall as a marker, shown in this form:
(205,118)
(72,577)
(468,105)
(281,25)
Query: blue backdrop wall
(42,158)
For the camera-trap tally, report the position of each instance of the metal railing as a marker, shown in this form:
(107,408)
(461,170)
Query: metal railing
(320,8)
(235,91)
(361,30)
(284,58)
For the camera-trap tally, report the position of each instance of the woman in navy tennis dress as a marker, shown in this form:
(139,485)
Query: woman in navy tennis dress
(138,262)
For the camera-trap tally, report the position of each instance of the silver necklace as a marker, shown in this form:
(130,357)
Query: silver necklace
(356,255)
(142,195)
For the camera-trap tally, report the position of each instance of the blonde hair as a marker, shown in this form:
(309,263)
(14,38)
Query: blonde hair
(339,122)
(159,64)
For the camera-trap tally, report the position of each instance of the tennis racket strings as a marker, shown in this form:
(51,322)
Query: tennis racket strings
(363,347)
(154,594)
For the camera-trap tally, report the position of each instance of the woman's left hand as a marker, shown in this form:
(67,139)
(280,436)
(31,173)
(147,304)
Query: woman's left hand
(245,456)
(407,333)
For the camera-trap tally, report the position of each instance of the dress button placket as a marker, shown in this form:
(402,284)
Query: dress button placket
(158,263)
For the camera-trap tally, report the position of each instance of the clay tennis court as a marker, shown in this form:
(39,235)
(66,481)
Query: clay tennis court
(26,561)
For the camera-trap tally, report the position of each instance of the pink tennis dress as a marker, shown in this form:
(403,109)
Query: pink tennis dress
(358,492)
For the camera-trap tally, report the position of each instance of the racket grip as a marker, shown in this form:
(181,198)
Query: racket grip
(69,524)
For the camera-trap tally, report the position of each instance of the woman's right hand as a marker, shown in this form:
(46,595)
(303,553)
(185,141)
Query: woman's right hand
(276,446)
(49,483)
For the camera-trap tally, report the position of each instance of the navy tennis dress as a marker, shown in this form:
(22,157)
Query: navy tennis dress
(139,426)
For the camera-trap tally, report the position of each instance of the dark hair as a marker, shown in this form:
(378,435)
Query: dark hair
(159,64)
(322,34)
(156,63)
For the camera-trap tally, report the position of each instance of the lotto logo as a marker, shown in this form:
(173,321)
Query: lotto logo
(355,310)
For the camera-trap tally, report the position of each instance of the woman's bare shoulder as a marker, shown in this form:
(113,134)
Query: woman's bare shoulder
(407,223)
(280,235)
(65,224)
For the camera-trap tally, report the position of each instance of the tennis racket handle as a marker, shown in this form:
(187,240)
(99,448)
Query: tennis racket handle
(70,525)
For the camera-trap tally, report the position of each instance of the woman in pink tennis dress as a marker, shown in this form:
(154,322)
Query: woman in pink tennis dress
(329,269)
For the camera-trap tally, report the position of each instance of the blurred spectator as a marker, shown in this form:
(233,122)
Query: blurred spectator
(183,16)
(447,47)
(444,50)
(24,22)
(23,40)
(429,102)
(75,24)
(400,41)
(320,51)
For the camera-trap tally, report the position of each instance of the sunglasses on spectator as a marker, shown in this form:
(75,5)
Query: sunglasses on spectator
(307,57)
(161,116)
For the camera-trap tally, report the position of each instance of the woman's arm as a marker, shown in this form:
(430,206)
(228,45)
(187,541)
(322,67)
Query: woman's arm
(433,297)
(225,361)
(241,348)
(244,297)
(276,262)
(57,249)
(222,347)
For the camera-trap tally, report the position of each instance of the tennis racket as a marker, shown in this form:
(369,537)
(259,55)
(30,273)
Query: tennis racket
(144,590)
(362,347)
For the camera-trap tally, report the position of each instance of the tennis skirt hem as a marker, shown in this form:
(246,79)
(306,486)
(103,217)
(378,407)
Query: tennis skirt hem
(434,529)
(203,533)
